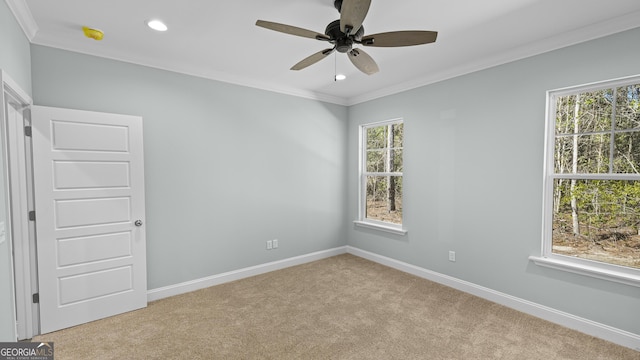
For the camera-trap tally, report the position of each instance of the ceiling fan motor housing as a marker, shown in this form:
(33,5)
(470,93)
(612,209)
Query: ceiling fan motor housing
(343,42)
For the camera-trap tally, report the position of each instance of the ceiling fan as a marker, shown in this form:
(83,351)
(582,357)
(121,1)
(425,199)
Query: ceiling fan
(347,31)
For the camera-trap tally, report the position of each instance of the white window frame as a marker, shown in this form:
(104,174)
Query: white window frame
(611,272)
(363,221)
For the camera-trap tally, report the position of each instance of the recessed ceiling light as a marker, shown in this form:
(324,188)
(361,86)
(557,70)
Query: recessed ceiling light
(157,25)
(341,77)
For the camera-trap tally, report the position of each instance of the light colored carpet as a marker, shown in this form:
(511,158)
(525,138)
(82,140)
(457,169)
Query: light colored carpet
(343,307)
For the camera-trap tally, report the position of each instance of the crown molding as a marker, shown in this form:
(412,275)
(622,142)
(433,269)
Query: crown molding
(23,15)
(584,34)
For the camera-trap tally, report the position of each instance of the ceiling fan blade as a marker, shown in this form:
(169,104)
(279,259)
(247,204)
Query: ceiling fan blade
(352,14)
(292,30)
(312,59)
(400,38)
(363,61)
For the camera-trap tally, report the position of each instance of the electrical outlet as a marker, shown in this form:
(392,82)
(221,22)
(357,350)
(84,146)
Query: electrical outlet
(452,256)
(275,243)
(269,244)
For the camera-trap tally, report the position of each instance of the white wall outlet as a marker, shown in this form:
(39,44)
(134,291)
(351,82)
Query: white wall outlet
(275,243)
(452,256)
(269,244)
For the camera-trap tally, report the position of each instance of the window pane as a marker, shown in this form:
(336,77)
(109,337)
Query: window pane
(376,160)
(397,161)
(628,107)
(586,112)
(384,198)
(384,152)
(398,134)
(376,137)
(597,220)
(627,153)
(592,154)
(565,106)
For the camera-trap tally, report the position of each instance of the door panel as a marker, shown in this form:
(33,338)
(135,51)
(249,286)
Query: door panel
(87,212)
(76,288)
(89,137)
(89,174)
(83,249)
(89,191)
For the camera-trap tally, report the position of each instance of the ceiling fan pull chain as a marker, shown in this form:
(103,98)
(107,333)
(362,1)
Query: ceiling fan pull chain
(335,67)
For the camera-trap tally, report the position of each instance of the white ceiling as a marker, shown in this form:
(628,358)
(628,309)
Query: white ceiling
(219,40)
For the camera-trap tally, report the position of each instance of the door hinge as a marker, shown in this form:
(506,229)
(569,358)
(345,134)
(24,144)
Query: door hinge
(27,131)
(32,216)
(36,298)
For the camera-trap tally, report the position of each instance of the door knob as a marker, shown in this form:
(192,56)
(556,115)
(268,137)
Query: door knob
(138,223)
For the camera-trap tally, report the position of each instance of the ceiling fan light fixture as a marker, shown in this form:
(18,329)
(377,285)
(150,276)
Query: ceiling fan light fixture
(157,25)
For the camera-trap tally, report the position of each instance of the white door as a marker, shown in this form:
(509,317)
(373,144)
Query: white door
(88,175)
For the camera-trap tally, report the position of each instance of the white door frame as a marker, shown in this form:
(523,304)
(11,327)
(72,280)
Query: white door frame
(20,202)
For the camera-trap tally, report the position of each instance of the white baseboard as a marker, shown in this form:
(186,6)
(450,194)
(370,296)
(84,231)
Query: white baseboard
(188,286)
(602,331)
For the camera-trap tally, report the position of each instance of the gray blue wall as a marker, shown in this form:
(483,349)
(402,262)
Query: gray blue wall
(473,164)
(226,167)
(15,60)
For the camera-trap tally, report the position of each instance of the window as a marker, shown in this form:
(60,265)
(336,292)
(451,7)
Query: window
(592,179)
(381,154)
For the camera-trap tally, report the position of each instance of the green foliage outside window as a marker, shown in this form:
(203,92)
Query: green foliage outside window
(596,213)
(383,172)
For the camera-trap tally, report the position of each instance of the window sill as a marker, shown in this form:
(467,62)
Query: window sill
(381,227)
(592,271)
